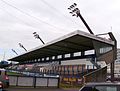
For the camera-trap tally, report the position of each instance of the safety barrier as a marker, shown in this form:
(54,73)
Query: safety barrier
(99,75)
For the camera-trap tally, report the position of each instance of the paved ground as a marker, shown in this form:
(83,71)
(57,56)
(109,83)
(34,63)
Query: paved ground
(39,89)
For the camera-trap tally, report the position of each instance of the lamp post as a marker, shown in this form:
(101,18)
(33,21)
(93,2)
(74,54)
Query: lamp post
(76,12)
(22,47)
(38,37)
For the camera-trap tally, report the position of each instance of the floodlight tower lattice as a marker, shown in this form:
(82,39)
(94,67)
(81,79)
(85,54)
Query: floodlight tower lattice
(22,47)
(76,12)
(38,37)
(14,51)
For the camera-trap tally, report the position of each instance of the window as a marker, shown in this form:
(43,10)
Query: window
(87,89)
(106,88)
(101,88)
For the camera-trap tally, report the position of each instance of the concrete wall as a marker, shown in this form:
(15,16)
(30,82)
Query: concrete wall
(41,81)
(25,81)
(34,81)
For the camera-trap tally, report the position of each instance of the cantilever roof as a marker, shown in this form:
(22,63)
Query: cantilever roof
(74,42)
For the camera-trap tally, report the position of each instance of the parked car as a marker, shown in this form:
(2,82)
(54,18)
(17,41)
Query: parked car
(4,78)
(1,86)
(104,86)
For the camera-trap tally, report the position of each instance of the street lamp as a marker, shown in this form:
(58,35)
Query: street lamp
(38,37)
(76,12)
(22,47)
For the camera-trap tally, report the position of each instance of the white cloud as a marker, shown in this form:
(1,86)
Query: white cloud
(17,25)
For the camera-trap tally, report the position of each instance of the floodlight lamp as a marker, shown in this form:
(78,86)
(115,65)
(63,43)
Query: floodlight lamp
(34,33)
(72,6)
(75,4)
(69,8)
(74,15)
(74,10)
(71,12)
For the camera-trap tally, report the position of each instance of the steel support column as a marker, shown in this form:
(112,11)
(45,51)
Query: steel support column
(114,55)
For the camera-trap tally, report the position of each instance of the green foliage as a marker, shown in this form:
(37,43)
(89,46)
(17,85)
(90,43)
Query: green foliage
(13,73)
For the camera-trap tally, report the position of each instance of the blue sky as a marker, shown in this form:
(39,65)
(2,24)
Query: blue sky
(51,19)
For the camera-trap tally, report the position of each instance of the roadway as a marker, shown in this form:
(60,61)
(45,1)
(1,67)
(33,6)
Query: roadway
(38,89)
